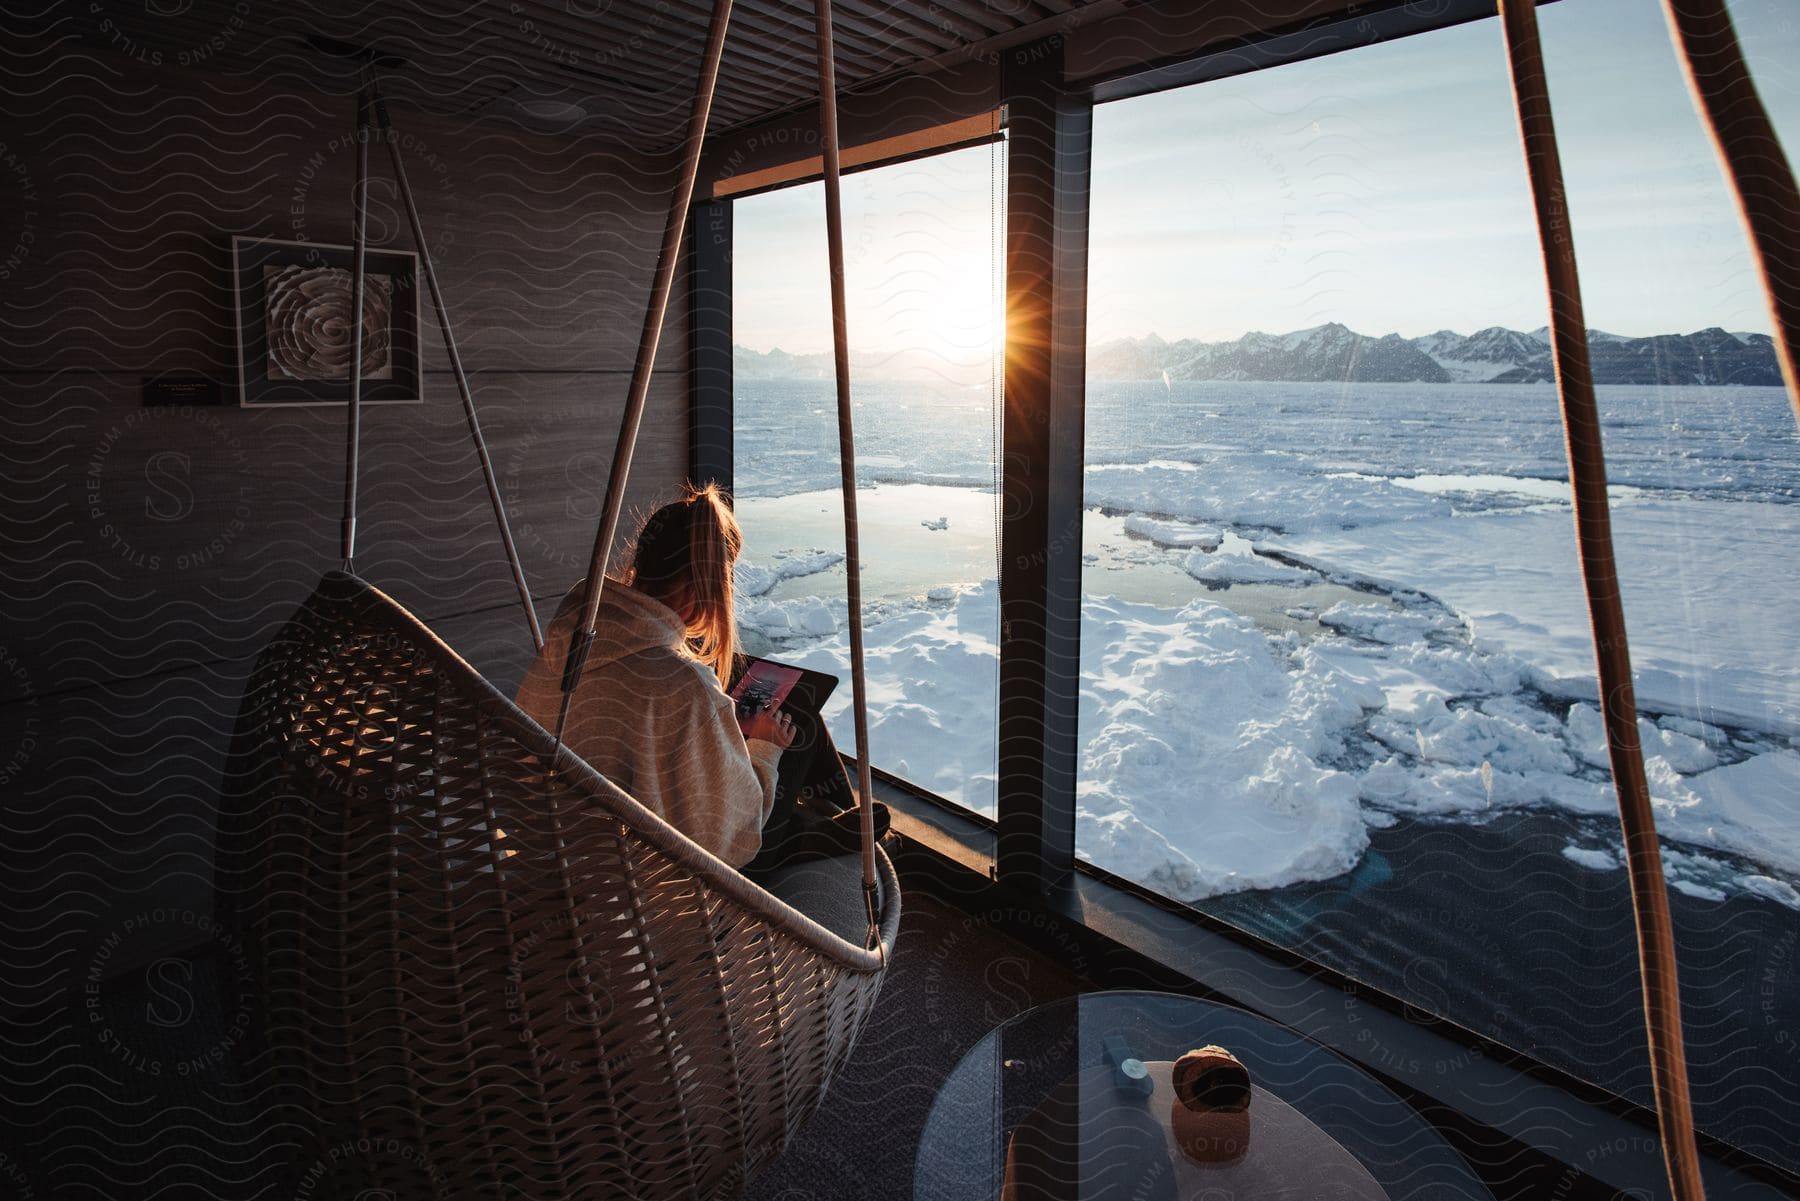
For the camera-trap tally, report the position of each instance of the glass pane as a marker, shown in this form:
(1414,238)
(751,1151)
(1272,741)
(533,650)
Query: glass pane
(925,285)
(1338,677)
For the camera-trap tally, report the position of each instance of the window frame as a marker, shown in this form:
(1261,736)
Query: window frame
(1026,854)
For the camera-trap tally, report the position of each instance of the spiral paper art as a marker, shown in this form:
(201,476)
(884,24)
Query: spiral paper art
(309,329)
(296,332)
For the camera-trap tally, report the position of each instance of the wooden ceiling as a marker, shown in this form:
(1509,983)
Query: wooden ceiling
(618,68)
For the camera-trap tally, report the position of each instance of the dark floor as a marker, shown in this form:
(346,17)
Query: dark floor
(131,1090)
(952,981)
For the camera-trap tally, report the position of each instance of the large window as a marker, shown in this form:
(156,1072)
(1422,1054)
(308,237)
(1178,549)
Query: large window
(924,289)
(1337,675)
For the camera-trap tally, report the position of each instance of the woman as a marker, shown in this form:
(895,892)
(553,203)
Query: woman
(651,712)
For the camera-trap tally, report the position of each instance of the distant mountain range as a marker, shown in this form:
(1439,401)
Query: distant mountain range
(1491,356)
(866,364)
(1334,352)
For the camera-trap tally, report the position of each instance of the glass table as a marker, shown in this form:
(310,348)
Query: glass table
(1076,1076)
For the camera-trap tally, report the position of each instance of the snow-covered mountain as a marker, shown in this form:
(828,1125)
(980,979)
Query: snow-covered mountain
(1493,355)
(1333,352)
(961,369)
(1483,354)
(1324,352)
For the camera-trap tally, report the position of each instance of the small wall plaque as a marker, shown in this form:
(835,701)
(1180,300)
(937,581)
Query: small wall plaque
(160,390)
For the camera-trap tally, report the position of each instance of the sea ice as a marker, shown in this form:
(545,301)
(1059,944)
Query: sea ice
(1598,859)
(796,617)
(1781,892)
(1744,808)
(1269,490)
(1245,568)
(756,579)
(932,675)
(1713,632)
(1177,535)
(1386,624)
(1214,757)
(1200,769)
(1684,753)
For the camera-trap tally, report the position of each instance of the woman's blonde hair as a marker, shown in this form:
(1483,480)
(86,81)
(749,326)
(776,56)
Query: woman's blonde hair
(695,542)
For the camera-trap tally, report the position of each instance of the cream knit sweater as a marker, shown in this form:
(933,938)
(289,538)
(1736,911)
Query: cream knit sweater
(651,718)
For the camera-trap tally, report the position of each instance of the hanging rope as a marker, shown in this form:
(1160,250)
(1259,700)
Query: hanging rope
(840,353)
(1593,525)
(456,366)
(1760,177)
(583,639)
(371,110)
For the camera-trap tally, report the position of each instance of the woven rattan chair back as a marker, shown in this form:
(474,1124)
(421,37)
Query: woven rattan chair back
(479,977)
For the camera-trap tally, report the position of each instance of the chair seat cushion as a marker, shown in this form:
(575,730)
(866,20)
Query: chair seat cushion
(829,891)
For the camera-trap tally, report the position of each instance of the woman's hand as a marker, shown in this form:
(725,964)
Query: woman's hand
(770,725)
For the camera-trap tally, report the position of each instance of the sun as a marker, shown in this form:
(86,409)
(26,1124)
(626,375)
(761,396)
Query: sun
(967,316)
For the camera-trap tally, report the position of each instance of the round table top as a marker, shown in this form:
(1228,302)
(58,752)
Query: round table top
(1020,1064)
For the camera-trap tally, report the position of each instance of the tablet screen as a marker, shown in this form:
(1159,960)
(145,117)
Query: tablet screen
(767,684)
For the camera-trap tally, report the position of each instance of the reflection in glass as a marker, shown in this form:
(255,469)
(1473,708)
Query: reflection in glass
(1338,678)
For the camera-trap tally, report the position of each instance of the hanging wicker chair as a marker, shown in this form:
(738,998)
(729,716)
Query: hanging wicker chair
(504,977)
(482,969)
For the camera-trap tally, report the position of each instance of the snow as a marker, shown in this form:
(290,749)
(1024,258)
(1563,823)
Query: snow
(933,674)
(1598,859)
(1746,808)
(754,579)
(1456,728)
(1258,489)
(1769,889)
(1705,601)
(1683,752)
(1471,371)
(1165,691)
(1386,624)
(1174,534)
(805,616)
(1244,567)
(1221,749)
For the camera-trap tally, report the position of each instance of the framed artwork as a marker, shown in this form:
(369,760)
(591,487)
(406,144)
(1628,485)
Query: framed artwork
(294,328)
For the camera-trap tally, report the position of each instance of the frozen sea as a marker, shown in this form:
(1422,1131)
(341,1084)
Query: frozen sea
(1338,683)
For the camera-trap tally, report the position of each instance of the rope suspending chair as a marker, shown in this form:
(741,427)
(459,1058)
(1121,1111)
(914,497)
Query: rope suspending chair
(1770,207)
(482,968)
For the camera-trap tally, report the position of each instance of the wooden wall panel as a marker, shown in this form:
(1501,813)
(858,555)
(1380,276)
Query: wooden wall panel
(155,538)
(149,552)
(140,177)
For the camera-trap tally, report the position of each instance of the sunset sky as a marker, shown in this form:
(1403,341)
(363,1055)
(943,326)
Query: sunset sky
(1382,187)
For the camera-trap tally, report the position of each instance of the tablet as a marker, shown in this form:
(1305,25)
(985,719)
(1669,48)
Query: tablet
(766,683)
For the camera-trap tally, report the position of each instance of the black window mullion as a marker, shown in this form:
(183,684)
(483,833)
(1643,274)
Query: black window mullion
(710,409)
(1049,134)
